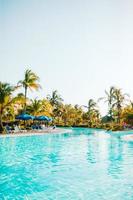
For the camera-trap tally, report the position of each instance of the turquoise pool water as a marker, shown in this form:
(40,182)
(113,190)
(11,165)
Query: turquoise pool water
(83,165)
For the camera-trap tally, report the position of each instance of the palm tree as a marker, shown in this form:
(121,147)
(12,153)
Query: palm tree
(9,113)
(58,110)
(20,102)
(67,114)
(5,99)
(78,115)
(35,107)
(55,99)
(91,110)
(91,105)
(40,107)
(46,108)
(119,100)
(30,82)
(131,103)
(109,98)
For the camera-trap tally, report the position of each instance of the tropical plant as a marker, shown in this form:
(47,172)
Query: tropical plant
(109,99)
(6,100)
(35,108)
(91,105)
(47,108)
(55,99)
(119,101)
(57,112)
(92,112)
(127,114)
(9,113)
(56,102)
(78,115)
(119,112)
(68,115)
(40,107)
(131,104)
(30,81)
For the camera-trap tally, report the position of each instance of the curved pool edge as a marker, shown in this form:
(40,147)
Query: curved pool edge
(50,131)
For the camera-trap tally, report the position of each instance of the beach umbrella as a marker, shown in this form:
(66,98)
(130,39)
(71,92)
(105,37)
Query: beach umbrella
(42,118)
(24,116)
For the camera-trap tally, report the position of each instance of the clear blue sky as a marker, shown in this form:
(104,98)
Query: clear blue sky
(79,47)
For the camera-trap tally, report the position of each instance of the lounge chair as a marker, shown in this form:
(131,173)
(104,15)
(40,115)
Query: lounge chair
(18,130)
(7,130)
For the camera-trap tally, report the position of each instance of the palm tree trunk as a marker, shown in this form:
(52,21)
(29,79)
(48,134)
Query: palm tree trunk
(25,98)
(110,111)
(25,103)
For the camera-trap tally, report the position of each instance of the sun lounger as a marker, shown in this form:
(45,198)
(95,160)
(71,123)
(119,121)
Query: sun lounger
(7,129)
(18,130)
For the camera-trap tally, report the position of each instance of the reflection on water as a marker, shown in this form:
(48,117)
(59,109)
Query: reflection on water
(86,164)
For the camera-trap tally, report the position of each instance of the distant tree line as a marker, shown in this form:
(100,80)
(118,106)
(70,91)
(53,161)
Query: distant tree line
(120,106)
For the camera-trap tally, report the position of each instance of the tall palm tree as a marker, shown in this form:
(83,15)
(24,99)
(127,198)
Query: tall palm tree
(5,99)
(30,82)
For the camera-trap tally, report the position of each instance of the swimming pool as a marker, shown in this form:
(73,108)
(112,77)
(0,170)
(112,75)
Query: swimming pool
(86,164)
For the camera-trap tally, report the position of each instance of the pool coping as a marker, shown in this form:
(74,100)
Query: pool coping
(34,133)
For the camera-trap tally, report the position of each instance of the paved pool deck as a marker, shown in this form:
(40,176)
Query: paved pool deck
(36,132)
